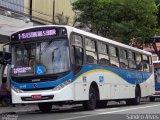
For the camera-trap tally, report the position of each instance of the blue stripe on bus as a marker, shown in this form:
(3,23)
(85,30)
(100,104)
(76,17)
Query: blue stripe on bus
(47,84)
(132,77)
(157,86)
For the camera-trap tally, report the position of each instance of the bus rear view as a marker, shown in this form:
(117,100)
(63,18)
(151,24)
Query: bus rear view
(40,66)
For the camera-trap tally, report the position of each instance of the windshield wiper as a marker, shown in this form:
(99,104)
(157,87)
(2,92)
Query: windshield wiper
(53,53)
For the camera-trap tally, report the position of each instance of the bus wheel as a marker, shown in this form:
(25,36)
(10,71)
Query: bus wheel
(45,107)
(91,103)
(152,99)
(101,104)
(137,99)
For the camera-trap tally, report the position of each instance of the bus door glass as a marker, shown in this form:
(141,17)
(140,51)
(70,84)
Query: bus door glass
(157,75)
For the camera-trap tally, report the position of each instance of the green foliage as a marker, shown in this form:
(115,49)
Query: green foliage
(121,20)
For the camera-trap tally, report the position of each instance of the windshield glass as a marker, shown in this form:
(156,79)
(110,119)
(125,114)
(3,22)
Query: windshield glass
(157,75)
(40,58)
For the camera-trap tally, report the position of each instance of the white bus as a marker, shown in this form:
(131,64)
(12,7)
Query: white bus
(56,64)
(156,65)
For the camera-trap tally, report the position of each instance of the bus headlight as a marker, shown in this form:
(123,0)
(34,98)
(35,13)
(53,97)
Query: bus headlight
(17,90)
(62,85)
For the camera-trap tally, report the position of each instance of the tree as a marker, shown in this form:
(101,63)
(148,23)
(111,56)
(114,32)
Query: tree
(121,20)
(158,13)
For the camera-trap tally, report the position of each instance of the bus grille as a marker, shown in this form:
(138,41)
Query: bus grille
(42,98)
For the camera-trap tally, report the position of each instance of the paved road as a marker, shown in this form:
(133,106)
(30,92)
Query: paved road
(146,111)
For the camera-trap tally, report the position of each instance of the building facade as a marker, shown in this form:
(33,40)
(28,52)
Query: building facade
(50,11)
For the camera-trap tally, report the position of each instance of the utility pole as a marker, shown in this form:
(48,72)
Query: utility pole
(54,2)
(30,9)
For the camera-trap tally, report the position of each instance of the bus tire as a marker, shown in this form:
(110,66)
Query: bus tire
(101,104)
(45,107)
(91,103)
(129,101)
(152,99)
(137,99)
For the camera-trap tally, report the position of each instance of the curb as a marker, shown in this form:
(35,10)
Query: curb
(17,112)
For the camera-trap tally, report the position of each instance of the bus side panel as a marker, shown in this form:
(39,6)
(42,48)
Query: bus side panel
(83,83)
(127,91)
(81,91)
(105,91)
(118,87)
(148,87)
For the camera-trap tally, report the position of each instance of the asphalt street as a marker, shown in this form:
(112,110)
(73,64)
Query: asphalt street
(114,111)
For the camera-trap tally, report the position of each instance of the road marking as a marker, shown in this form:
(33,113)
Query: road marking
(113,108)
(105,109)
(108,112)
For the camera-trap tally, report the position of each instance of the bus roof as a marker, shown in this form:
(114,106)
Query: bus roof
(94,36)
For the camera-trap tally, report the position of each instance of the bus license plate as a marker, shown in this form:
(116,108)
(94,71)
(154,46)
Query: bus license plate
(38,96)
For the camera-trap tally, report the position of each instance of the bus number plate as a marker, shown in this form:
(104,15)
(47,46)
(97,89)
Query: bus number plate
(38,96)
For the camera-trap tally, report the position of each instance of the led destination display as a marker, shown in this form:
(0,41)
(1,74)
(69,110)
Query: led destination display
(36,34)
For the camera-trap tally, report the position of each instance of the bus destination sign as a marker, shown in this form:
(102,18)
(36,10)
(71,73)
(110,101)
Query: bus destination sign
(37,34)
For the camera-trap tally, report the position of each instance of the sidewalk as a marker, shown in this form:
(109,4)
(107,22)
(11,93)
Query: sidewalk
(32,108)
(18,109)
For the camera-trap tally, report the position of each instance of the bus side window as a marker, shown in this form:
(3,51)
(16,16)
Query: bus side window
(77,52)
(78,55)
(139,65)
(113,53)
(146,65)
(91,55)
(123,58)
(103,54)
(131,59)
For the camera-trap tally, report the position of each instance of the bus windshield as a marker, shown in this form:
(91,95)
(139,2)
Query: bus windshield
(157,75)
(40,58)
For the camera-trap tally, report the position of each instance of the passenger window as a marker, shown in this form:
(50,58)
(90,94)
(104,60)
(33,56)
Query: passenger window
(123,58)
(91,55)
(77,52)
(90,45)
(103,54)
(139,65)
(131,59)
(113,56)
(77,40)
(146,63)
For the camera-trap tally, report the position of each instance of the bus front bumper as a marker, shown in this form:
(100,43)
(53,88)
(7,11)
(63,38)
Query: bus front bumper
(65,94)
